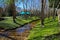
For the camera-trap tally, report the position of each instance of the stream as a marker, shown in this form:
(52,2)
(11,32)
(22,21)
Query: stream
(18,31)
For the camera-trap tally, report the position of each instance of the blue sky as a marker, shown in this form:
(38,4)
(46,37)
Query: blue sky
(19,3)
(35,3)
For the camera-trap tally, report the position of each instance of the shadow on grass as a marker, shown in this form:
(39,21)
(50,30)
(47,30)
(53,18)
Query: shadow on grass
(22,25)
(16,21)
(51,37)
(6,26)
(1,19)
(37,38)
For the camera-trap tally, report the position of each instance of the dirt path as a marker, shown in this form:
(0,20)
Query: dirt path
(21,33)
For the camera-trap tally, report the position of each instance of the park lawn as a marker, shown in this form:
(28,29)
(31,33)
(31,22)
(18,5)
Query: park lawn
(38,32)
(9,24)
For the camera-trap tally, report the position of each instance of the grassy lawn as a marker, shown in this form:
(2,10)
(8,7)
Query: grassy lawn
(38,33)
(8,23)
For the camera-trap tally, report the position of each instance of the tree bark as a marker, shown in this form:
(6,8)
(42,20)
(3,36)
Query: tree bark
(42,12)
(13,10)
(53,11)
(1,10)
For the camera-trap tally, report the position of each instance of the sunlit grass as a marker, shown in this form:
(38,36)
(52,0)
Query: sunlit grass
(51,27)
(8,23)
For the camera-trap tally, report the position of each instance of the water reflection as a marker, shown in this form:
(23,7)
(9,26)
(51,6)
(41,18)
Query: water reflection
(22,29)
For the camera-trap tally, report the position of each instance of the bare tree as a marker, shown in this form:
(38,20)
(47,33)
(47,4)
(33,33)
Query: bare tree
(1,10)
(53,11)
(42,12)
(26,16)
(13,9)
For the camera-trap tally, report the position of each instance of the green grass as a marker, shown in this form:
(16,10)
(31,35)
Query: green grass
(9,24)
(58,38)
(38,33)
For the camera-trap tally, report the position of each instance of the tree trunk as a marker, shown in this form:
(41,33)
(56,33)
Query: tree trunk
(1,10)
(53,11)
(42,13)
(26,16)
(13,10)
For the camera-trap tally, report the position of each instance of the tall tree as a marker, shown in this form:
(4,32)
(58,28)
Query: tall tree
(13,9)
(53,4)
(26,16)
(43,2)
(1,10)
